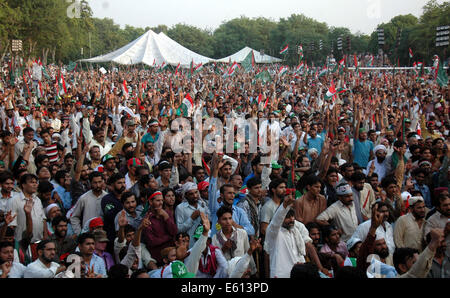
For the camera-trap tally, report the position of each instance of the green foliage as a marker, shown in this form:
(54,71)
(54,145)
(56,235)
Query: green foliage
(47,30)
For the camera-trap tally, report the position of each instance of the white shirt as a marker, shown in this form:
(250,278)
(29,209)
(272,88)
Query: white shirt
(184,221)
(380,168)
(128,183)
(87,207)
(4,202)
(344,217)
(38,270)
(286,247)
(17,270)
(363,229)
(242,244)
(222,265)
(37,214)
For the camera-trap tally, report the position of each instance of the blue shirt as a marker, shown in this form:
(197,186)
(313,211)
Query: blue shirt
(239,215)
(149,138)
(65,196)
(425,190)
(315,143)
(98,264)
(361,152)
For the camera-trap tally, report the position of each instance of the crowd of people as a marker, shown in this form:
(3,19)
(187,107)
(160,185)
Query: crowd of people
(354,185)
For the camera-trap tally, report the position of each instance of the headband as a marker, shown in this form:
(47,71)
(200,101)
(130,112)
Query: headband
(158,193)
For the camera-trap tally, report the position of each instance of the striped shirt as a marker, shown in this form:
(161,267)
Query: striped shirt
(52,153)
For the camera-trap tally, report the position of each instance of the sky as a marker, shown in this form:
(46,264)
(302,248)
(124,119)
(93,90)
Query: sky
(357,15)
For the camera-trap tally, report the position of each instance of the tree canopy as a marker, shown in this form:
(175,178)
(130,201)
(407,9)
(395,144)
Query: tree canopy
(49,33)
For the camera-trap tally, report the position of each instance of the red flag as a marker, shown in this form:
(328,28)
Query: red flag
(259,98)
(267,101)
(125,89)
(178,67)
(355,60)
(64,84)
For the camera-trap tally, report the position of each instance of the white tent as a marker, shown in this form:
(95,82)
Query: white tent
(240,56)
(152,48)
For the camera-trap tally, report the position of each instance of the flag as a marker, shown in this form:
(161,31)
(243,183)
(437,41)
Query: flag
(323,71)
(63,84)
(442,78)
(178,67)
(191,68)
(232,69)
(284,50)
(331,93)
(249,62)
(301,52)
(72,66)
(282,70)
(435,67)
(371,60)
(187,105)
(264,76)
(410,53)
(267,101)
(125,89)
(415,68)
(342,62)
(198,67)
(299,67)
(259,98)
(163,66)
(41,92)
(45,73)
(355,61)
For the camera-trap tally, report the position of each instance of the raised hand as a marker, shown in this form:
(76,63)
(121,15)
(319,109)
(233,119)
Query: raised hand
(28,206)
(205,222)
(9,218)
(288,200)
(122,219)
(377,217)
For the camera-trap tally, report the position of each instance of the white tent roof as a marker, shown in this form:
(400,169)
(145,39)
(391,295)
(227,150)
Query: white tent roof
(150,48)
(239,56)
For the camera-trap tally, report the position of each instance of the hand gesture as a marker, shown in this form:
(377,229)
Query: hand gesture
(145,223)
(86,148)
(122,219)
(288,200)
(28,206)
(206,223)
(377,217)
(195,214)
(227,245)
(284,141)
(437,238)
(254,245)
(6,268)
(9,218)
(161,212)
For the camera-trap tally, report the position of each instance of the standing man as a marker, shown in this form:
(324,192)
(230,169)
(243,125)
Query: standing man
(342,212)
(111,205)
(287,242)
(28,184)
(88,205)
(408,230)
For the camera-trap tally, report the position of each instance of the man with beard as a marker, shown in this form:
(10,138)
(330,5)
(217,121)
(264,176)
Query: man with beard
(287,241)
(440,219)
(111,205)
(409,227)
(364,196)
(379,165)
(347,171)
(312,203)
(7,192)
(95,156)
(162,230)
(64,244)
(88,205)
(342,212)
(374,243)
(440,267)
(385,229)
(44,267)
(188,212)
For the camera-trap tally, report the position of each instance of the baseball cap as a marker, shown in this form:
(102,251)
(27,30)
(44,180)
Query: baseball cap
(275,165)
(352,242)
(100,236)
(203,185)
(107,157)
(96,222)
(134,162)
(131,122)
(177,269)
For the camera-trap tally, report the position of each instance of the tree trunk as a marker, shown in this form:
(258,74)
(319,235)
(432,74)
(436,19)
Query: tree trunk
(6,50)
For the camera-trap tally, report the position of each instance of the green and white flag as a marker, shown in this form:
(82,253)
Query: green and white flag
(249,62)
(264,76)
(323,71)
(442,78)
